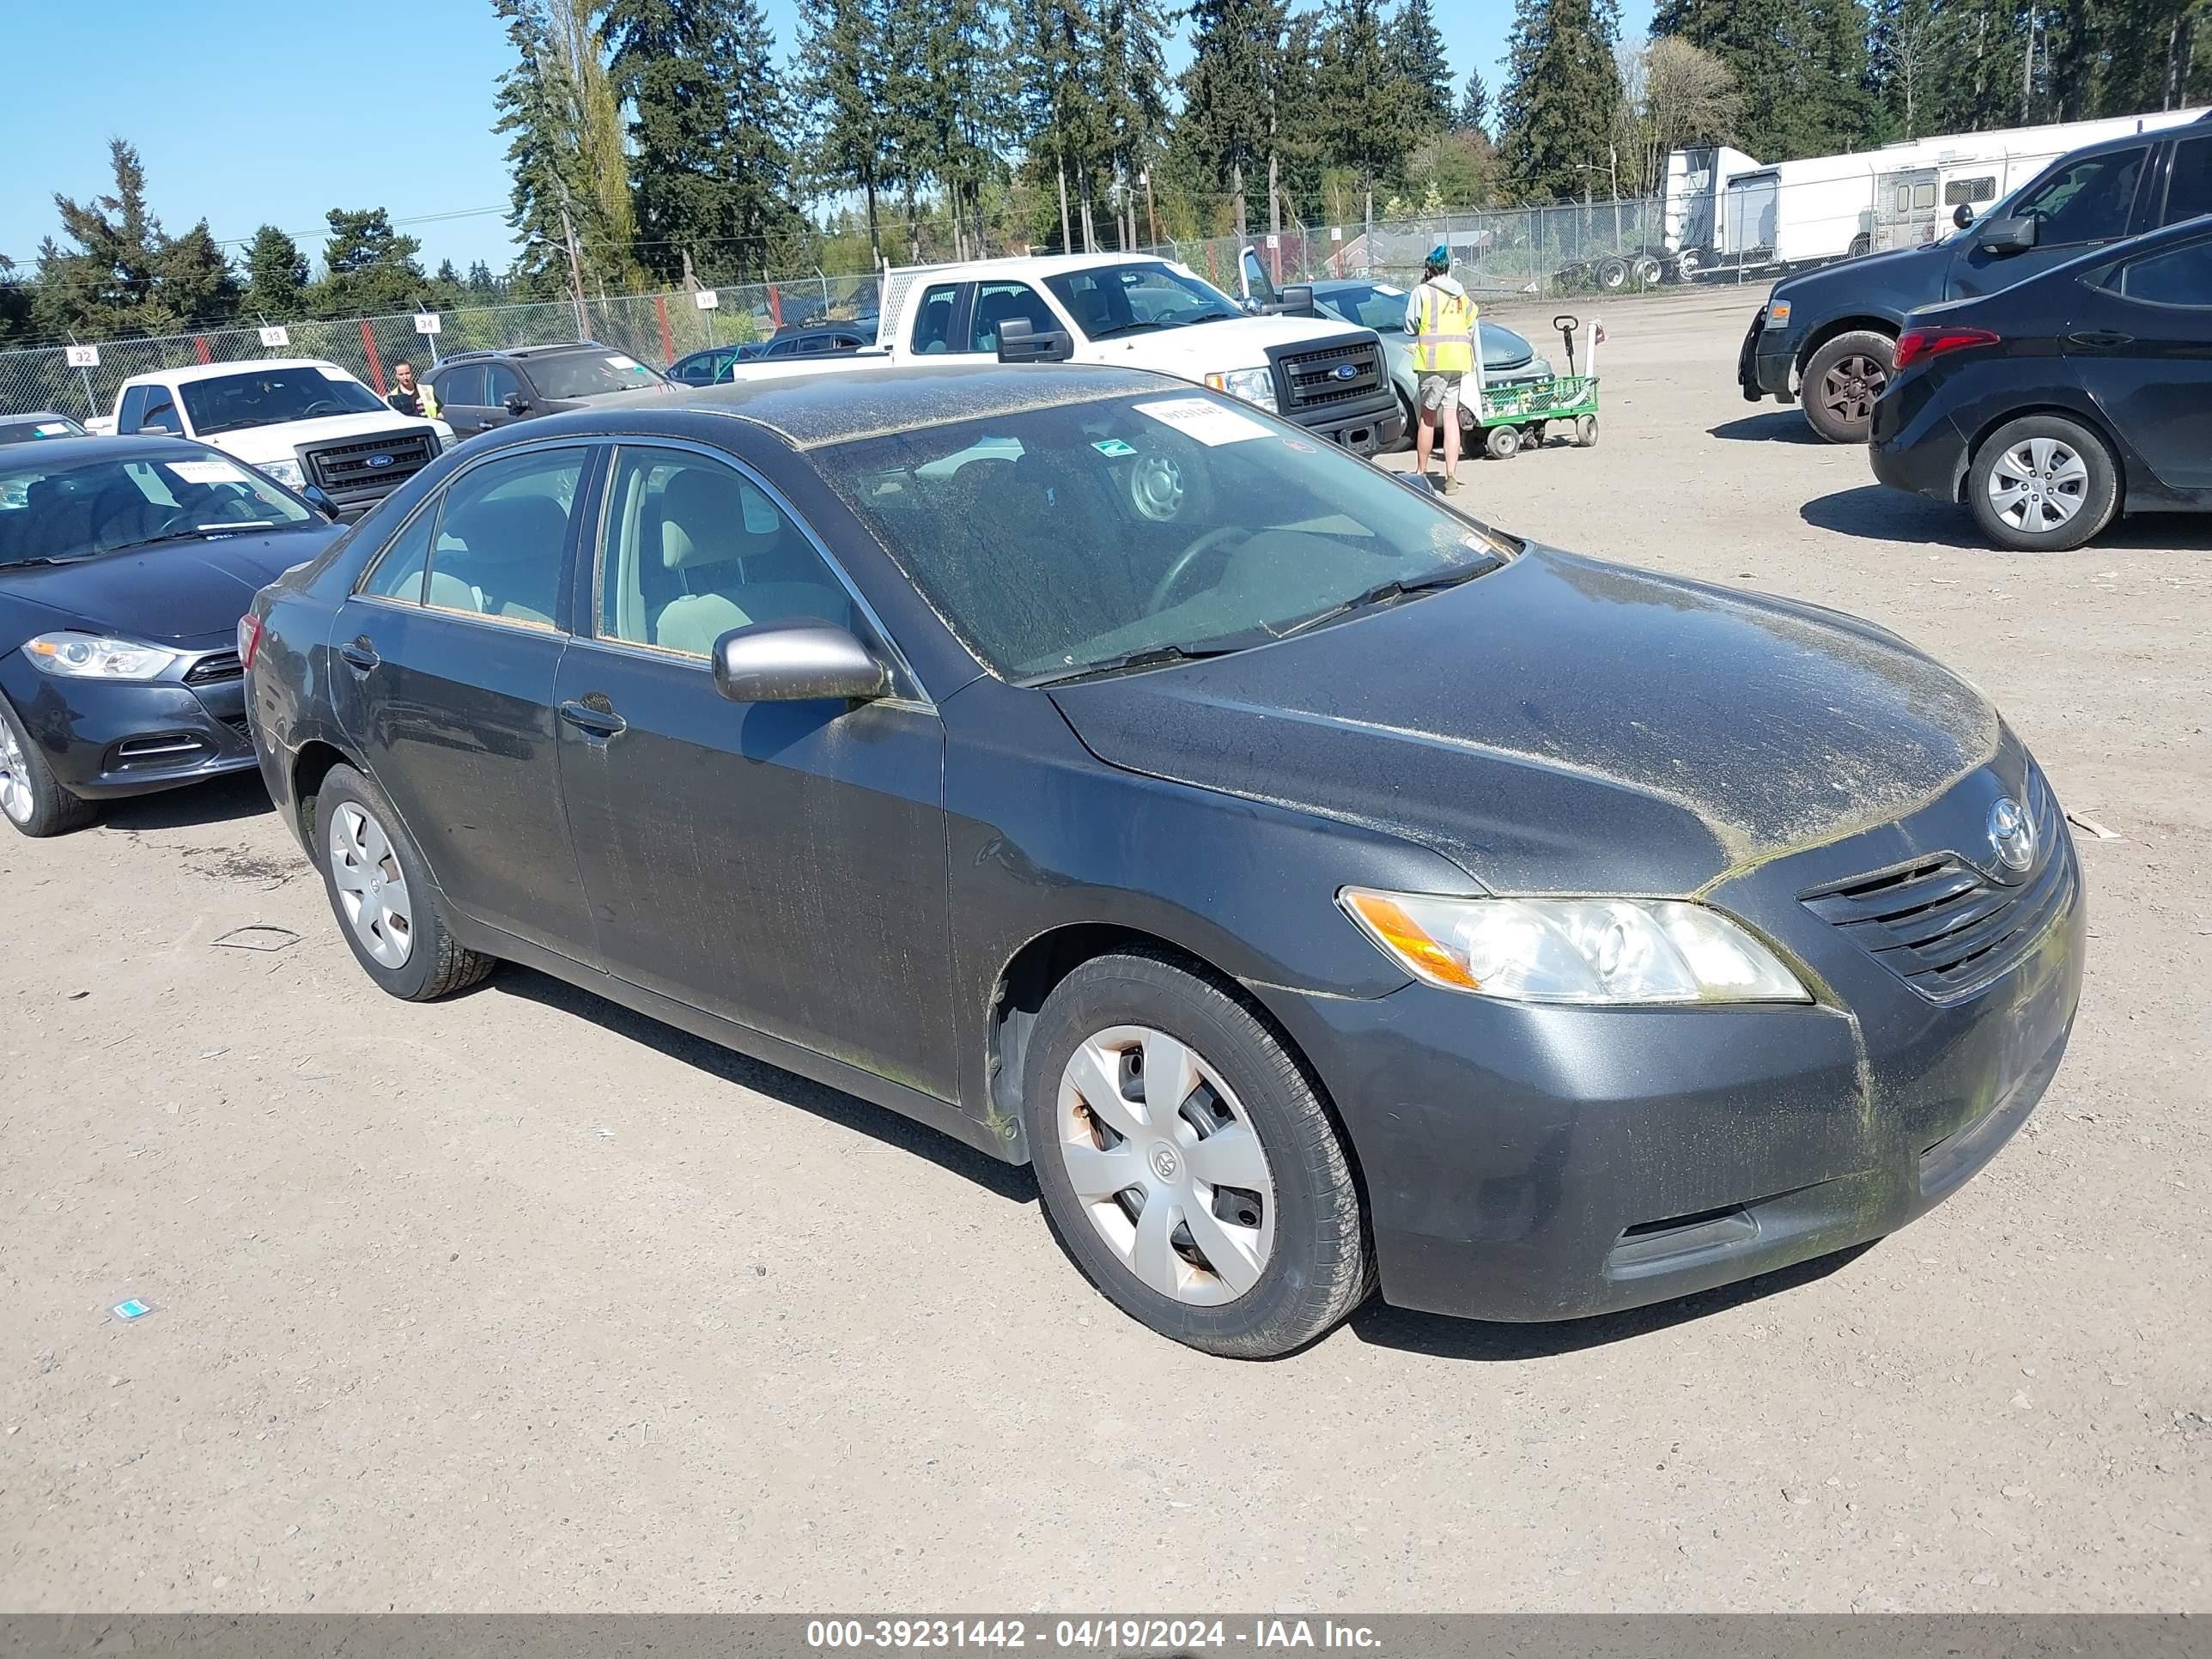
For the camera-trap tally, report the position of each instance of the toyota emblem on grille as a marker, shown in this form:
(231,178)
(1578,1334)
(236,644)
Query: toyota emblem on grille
(378,461)
(1345,371)
(2012,833)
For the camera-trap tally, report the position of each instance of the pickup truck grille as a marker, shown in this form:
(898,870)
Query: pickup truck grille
(1312,377)
(354,471)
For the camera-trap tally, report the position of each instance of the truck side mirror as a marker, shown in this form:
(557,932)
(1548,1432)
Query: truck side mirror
(1020,342)
(2014,235)
(1962,215)
(1298,301)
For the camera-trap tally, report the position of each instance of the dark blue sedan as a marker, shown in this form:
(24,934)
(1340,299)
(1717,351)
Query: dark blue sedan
(125,564)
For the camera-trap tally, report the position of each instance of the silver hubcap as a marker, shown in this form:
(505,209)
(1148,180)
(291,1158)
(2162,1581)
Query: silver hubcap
(372,888)
(1167,1165)
(15,776)
(2039,483)
(1848,390)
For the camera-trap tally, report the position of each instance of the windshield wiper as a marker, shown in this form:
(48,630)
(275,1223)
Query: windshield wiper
(1397,588)
(1128,328)
(194,533)
(44,558)
(1152,656)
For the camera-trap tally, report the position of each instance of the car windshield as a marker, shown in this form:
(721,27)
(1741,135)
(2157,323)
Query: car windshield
(588,373)
(1068,540)
(1107,300)
(268,397)
(17,429)
(1374,305)
(51,513)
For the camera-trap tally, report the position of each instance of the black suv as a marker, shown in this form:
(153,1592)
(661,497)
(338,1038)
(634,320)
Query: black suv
(1830,337)
(479,390)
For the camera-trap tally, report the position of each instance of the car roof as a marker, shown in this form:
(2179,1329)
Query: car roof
(42,415)
(71,451)
(558,349)
(245,366)
(811,412)
(1027,265)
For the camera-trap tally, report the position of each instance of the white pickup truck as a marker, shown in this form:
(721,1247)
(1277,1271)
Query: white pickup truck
(302,421)
(1138,311)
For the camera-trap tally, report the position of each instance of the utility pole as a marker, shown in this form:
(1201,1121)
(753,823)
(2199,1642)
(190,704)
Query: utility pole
(576,273)
(2027,68)
(1152,214)
(1067,241)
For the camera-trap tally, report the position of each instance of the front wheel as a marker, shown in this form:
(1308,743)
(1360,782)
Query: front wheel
(1186,1162)
(1841,381)
(390,913)
(1586,431)
(2042,484)
(31,799)
(1613,275)
(1503,444)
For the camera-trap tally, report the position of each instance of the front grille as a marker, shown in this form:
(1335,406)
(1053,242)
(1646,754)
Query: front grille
(1307,380)
(214,669)
(351,470)
(1946,929)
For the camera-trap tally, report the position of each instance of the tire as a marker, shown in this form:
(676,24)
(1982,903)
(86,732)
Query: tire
(31,799)
(1586,431)
(1647,271)
(1283,1213)
(1612,274)
(421,961)
(1861,244)
(1503,444)
(1841,381)
(1689,263)
(2042,484)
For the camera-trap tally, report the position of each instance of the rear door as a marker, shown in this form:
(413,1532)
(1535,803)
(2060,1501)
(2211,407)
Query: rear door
(446,657)
(2188,180)
(2142,342)
(2082,203)
(461,392)
(780,864)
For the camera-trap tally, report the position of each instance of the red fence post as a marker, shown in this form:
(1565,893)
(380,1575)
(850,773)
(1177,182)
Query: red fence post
(369,350)
(774,306)
(200,346)
(667,340)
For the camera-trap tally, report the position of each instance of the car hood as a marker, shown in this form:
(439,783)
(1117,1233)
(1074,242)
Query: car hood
(1870,271)
(181,591)
(1565,725)
(1232,342)
(257,444)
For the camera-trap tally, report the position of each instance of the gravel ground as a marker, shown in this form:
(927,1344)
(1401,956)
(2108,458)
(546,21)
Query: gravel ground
(519,1301)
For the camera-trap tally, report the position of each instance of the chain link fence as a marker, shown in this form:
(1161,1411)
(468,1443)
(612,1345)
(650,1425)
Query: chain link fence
(655,328)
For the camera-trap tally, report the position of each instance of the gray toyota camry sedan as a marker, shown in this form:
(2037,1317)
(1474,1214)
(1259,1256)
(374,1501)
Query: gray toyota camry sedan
(1322,890)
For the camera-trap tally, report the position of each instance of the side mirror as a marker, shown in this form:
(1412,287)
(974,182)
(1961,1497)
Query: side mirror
(1962,215)
(1298,301)
(517,404)
(1020,342)
(799,661)
(2002,236)
(318,498)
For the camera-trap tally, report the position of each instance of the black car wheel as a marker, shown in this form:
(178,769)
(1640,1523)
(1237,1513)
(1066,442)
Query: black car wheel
(31,797)
(1186,1162)
(2042,484)
(387,907)
(1841,381)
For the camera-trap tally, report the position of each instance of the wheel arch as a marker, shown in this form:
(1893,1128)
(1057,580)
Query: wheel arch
(313,762)
(1037,969)
(2096,425)
(1851,325)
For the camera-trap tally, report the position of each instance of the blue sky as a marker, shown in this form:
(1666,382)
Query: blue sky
(254,112)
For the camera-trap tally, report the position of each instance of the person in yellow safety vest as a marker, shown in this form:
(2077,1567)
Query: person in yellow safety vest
(407,398)
(1440,319)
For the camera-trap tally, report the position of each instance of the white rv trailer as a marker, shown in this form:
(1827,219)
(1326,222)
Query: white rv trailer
(1832,207)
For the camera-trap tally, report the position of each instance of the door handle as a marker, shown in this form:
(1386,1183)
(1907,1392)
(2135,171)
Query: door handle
(593,720)
(2104,338)
(360,654)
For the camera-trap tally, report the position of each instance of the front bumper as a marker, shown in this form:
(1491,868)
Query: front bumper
(1368,432)
(107,739)
(1529,1163)
(1766,362)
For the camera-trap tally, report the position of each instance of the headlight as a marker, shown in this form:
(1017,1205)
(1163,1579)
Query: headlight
(446,440)
(1254,386)
(1777,313)
(88,657)
(286,473)
(1586,950)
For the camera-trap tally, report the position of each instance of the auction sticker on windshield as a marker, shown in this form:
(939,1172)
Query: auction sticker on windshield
(1208,422)
(207,472)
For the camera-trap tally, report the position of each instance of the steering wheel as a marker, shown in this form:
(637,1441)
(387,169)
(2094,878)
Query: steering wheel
(322,406)
(1184,560)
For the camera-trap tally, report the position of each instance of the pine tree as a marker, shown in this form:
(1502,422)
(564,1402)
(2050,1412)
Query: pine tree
(712,171)
(1474,113)
(1369,115)
(193,280)
(848,129)
(558,113)
(1229,123)
(1562,90)
(275,276)
(1416,60)
(1133,97)
(1059,116)
(125,274)
(956,107)
(371,268)
(1800,65)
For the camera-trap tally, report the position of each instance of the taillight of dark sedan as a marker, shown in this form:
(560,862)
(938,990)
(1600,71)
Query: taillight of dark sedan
(1318,888)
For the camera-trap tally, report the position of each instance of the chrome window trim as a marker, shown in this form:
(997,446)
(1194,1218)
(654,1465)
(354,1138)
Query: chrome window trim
(751,475)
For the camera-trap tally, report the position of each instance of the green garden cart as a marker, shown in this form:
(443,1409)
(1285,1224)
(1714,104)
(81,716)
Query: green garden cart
(1513,415)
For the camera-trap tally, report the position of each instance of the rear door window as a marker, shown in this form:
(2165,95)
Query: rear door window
(2189,190)
(933,319)
(2177,276)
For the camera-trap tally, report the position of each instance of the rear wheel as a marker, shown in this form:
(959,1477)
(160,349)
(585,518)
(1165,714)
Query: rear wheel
(31,799)
(1612,274)
(1586,431)
(382,891)
(2042,484)
(1841,381)
(1187,1163)
(1647,271)
(1503,444)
